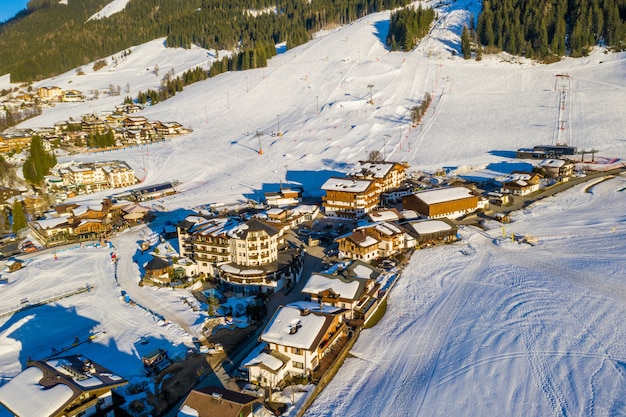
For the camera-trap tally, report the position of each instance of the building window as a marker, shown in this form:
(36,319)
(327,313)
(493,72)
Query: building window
(298,365)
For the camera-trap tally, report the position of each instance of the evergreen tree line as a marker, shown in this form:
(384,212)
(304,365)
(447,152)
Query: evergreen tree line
(55,37)
(38,163)
(101,140)
(246,59)
(408,26)
(170,86)
(549,29)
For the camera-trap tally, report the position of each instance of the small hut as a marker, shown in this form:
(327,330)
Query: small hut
(158,270)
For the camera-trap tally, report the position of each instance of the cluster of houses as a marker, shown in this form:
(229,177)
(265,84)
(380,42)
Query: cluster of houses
(252,252)
(125,128)
(68,223)
(249,254)
(83,178)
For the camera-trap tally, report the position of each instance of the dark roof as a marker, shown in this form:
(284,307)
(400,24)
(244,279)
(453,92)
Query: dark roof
(255,225)
(157,263)
(75,369)
(215,401)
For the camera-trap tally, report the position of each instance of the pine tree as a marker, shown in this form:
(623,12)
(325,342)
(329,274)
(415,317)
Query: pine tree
(19,218)
(466,45)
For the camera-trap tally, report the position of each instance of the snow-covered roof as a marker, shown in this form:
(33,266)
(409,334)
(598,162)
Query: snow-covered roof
(275,211)
(289,327)
(347,185)
(269,361)
(25,396)
(388,229)
(424,227)
(366,242)
(51,223)
(361,269)
(339,285)
(384,215)
(552,163)
(441,195)
(371,169)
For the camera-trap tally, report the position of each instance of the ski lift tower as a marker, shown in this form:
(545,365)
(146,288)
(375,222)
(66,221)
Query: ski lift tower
(562,85)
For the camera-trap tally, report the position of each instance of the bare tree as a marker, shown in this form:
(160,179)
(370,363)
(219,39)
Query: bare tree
(375,156)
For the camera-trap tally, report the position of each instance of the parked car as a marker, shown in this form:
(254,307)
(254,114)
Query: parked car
(30,249)
(253,390)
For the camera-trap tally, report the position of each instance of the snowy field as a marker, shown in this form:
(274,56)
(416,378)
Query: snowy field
(482,327)
(491,327)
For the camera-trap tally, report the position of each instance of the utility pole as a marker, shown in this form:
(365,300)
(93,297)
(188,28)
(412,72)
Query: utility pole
(370,86)
(278,125)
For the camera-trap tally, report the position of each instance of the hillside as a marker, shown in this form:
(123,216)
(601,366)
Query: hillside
(482,327)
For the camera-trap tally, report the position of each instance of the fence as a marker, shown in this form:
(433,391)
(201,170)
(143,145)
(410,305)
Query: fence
(26,303)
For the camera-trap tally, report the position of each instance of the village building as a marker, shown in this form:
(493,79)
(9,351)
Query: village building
(373,241)
(349,198)
(73,96)
(358,245)
(151,192)
(388,175)
(360,192)
(345,292)
(63,387)
(50,93)
(521,183)
(385,215)
(303,335)
(74,223)
(158,270)
(215,401)
(451,202)
(16,139)
(558,169)
(427,231)
(285,197)
(245,256)
(135,121)
(6,194)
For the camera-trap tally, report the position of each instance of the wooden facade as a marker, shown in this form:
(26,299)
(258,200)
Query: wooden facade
(449,202)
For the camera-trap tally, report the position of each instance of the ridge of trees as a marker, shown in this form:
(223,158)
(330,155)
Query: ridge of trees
(50,37)
(549,29)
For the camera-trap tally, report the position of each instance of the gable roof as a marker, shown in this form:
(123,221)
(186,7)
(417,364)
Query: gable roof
(292,327)
(442,195)
(156,264)
(51,385)
(214,401)
(347,185)
(346,288)
(252,225)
